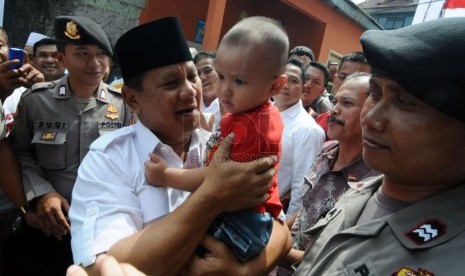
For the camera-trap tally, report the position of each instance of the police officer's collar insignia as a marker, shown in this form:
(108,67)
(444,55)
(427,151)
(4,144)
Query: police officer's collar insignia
(112,112)
(103,95)
(72,30)
(404,271)
(62,91)
(48,136)
(427,231)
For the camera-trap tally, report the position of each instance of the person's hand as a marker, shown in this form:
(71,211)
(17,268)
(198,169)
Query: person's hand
(9,79)
(232,186)
(219,260)
(106,266)
(25,76)
(50,209)
(155,170)
(33,219)
(29,75)
(305,59)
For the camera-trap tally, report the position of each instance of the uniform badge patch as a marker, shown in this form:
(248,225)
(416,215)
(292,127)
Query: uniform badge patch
(72,30)
(112,112)
(48,136)
(410,272)
(428,231)
(62,91)
(103,95)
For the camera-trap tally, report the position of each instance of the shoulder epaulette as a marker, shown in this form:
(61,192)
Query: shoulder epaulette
(114,90)
(42,86)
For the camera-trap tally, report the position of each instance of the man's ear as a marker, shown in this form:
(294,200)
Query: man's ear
(61,57)
(278,84)
(130,97)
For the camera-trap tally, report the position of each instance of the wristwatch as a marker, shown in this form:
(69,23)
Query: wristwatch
(24,209)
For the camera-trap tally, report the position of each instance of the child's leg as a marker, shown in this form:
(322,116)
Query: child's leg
(246,232)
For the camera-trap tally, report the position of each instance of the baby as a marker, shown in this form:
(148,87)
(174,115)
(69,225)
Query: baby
(250,63)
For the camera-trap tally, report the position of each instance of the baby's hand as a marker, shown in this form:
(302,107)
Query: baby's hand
(155,170)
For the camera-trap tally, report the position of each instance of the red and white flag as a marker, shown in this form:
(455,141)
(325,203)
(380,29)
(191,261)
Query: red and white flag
(454,8)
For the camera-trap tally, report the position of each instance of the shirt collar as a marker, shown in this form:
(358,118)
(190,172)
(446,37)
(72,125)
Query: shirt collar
(293,111)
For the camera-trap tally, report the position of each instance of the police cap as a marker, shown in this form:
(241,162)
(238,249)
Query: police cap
(152,45)
(426,59)
(81,30)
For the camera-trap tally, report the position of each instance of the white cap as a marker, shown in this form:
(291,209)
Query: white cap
(34,37)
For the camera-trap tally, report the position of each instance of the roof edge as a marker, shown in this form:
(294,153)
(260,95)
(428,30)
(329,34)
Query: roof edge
(351,10)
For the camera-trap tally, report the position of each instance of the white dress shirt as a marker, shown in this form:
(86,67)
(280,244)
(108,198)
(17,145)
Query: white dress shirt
(212,108)
(301,142)
(112,199)
(11,104)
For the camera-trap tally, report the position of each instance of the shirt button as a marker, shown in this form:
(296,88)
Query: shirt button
(92,211)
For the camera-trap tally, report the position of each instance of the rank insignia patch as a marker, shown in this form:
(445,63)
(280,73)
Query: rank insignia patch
(112,112)
(48,136)
(410,272)
(103,95)
(427,231)
(62,91)
(72,30)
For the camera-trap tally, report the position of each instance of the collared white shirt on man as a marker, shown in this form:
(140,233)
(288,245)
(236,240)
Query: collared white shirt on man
(112,199)
(301,142)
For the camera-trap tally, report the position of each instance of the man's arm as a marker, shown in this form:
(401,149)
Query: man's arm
(11,175)
(221,261)
(164,247)
(11,182)
(49,205)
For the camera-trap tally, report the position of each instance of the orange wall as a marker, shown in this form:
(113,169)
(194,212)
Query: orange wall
(293,21)
(341,34)
(188,13)
(308,22)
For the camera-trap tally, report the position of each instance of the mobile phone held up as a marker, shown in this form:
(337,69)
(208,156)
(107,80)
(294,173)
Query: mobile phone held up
(16,53)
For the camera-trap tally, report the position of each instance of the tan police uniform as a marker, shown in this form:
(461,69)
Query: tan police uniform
(426,237)
(53,131)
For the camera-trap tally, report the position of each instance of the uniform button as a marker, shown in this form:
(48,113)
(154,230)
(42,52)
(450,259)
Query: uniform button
(92,211)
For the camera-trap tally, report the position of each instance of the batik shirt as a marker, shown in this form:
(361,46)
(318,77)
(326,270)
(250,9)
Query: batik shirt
(323,187)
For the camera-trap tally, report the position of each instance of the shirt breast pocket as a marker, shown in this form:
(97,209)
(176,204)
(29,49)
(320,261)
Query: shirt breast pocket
(50,149)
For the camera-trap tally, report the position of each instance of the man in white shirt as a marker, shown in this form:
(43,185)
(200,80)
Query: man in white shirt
(301,142)
(157,229)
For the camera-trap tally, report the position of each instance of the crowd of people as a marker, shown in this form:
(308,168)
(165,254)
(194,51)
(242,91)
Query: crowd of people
(241,161)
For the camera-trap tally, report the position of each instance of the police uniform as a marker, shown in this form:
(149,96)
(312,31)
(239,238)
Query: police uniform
(426,237)
(51,135)
(54,129)
(53,132)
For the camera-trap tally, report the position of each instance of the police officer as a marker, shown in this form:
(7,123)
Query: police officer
(411,221)
(55,125)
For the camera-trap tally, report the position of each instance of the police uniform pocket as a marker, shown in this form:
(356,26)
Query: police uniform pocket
(50,149)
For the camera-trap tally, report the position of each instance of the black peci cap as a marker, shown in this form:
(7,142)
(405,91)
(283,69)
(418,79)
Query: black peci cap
(81,30)
(152,45)
(426,59)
